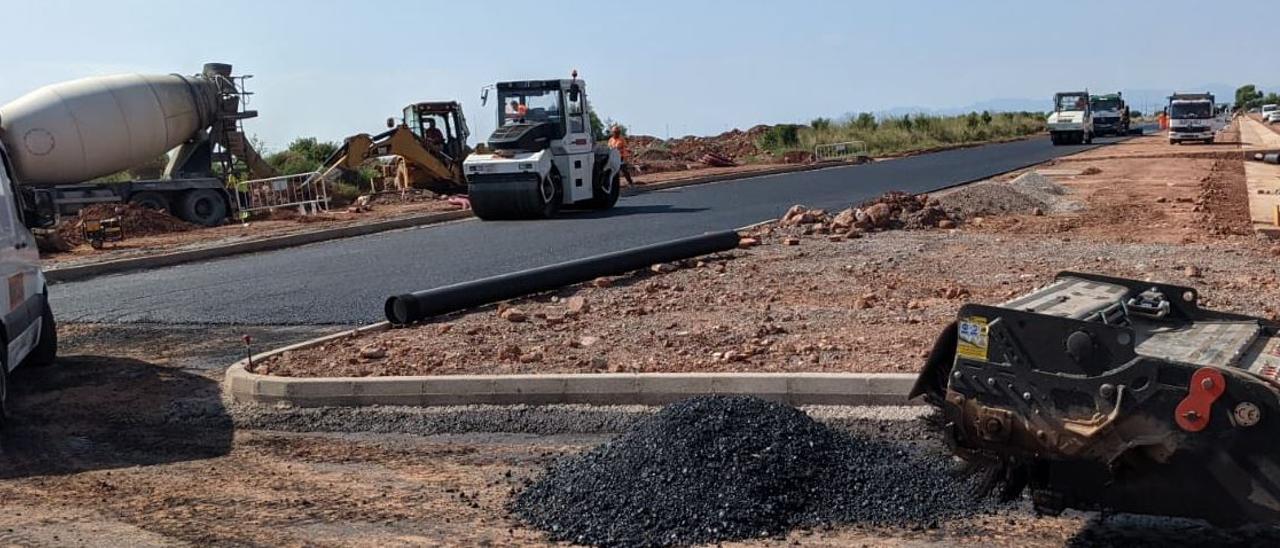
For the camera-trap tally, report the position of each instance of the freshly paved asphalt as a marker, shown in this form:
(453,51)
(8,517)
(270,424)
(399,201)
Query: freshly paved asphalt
(346,281)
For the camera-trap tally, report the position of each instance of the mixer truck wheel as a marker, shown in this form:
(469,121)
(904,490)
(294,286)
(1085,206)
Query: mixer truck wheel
(203,207)
(151,200)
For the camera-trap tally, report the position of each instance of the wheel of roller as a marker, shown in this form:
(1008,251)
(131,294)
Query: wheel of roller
(522,199)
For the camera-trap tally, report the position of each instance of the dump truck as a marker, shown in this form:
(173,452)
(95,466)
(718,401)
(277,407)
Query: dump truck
(429,143)
(1191,118)
(1071,121)
(1110,114)
(64,136)
(1103,393)
(542,156)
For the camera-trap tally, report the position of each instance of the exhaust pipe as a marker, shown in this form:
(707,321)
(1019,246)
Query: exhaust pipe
(420,305)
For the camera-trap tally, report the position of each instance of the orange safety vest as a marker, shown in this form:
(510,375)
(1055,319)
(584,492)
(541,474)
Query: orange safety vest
(620,143)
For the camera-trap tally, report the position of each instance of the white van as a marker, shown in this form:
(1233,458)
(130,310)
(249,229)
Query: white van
(26,323)
(1270,113)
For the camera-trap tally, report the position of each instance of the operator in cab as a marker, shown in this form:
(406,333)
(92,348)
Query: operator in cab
(433,136)
(618,142)
(516,111)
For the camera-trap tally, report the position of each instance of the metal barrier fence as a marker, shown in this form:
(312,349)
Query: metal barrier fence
(304,191)
(849,150)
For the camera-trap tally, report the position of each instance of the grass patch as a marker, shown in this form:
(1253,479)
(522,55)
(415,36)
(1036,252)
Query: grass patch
(906,133)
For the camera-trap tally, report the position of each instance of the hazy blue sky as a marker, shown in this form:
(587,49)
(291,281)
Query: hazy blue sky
(329,68)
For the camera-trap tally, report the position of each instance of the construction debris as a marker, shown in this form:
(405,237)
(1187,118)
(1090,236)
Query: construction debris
(135,219)
(1023,195)
(721,468)
(654,155)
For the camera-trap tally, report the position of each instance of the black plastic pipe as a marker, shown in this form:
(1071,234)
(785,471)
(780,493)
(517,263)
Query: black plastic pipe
(420,305)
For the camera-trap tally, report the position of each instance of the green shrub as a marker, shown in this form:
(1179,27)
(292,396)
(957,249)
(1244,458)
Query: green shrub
(921,131)
(865,121)
(780,137)
(820,123)
(342,194)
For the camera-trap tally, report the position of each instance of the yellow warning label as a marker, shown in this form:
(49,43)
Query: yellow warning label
(973,338)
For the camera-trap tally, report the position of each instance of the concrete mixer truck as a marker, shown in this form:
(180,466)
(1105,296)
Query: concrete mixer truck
(61,137)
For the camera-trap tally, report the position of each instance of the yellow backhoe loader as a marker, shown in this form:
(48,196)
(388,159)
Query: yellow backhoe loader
(429,144)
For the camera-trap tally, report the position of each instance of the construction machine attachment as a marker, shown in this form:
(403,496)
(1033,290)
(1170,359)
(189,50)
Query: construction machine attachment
(1101,393)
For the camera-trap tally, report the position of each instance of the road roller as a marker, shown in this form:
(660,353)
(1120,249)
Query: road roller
(543,156)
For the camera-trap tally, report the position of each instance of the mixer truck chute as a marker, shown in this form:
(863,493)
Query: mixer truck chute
(64,136)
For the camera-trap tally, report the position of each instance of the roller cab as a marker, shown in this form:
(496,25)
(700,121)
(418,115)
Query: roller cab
(542,156)
(1115,394)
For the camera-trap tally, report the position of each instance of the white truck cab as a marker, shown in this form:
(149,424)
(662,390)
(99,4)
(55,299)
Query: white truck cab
(1192,117)
(27,326)
(1071,122)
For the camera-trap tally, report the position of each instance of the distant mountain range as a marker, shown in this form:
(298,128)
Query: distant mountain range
(1143,100)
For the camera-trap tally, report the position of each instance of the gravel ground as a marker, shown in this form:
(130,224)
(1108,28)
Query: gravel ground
(869,304)
(127,442)
(722,468)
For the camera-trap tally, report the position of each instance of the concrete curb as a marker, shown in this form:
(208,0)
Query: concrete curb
(849,389)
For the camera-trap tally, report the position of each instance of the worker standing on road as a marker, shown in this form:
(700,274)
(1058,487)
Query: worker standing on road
(618,142)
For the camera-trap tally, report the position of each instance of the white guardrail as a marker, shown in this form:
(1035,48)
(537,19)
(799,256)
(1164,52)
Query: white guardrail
(303,191)
(848,150)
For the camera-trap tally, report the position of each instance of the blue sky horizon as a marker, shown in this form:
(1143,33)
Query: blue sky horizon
(328,69)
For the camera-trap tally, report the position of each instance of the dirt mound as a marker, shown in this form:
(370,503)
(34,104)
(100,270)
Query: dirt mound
(892,210)
(1027,194)
(653,155)
(135,219)
(797,157)
(721,468)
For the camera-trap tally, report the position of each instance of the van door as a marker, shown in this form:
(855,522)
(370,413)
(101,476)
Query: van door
(20,274)
(580,146)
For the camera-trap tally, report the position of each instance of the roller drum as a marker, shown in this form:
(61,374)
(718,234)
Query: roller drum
(83,129)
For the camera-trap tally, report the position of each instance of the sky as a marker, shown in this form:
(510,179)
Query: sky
(329,69)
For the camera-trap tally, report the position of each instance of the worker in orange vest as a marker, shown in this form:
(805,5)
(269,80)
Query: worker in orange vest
(618,142)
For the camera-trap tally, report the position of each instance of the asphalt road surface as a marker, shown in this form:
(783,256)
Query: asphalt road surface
(346,281)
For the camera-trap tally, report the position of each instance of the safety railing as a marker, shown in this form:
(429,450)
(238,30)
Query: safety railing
(833,152)
(303,191)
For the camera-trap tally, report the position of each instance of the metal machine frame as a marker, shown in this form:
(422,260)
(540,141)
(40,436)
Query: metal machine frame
(1108,393)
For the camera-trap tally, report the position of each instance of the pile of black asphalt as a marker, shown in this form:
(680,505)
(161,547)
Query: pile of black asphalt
(721,468)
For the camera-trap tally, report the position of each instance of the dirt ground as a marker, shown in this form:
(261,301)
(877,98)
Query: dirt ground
(126,442)
(871,304)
